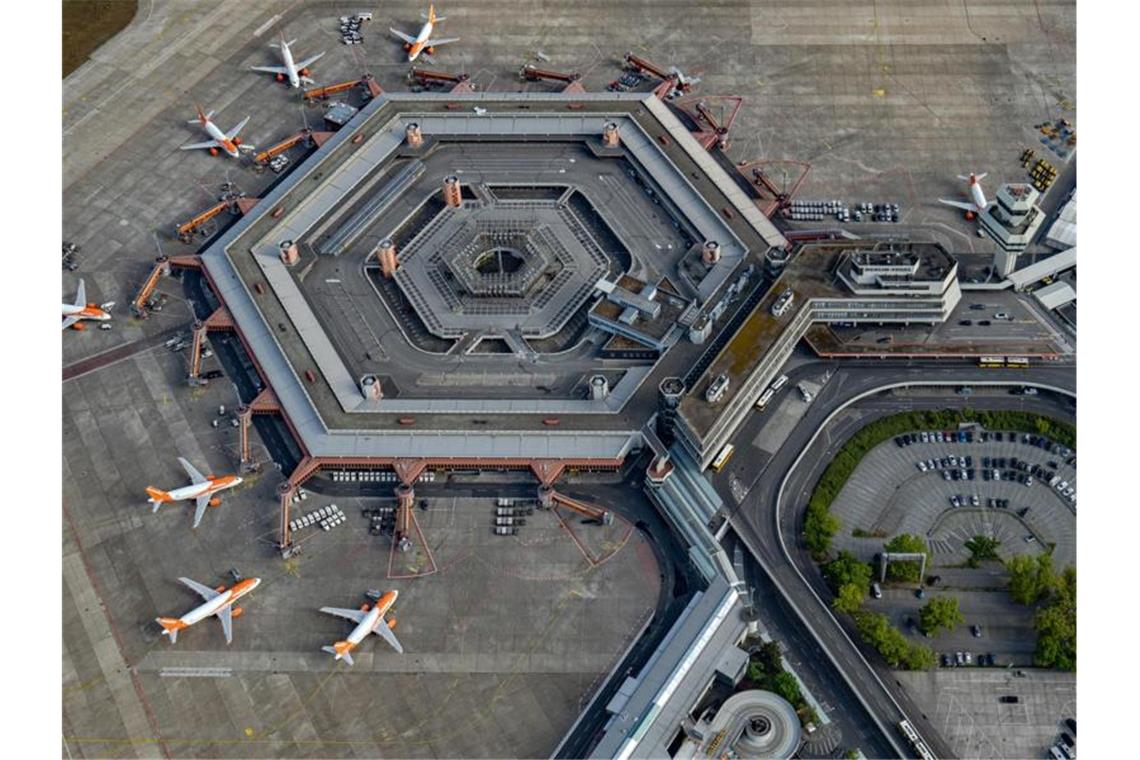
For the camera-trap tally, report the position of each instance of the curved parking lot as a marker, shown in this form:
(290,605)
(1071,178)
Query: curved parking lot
(949,491)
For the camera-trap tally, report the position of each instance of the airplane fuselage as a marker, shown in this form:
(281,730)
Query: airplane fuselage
(372,619)
(85,312)
(290,67)
(420,44)
(211,486)
(227,597)
(225,143)
(976,194)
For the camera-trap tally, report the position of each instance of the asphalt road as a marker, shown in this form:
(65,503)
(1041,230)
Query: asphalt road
(760,523)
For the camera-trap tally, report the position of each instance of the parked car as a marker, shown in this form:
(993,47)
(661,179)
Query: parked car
(976,630)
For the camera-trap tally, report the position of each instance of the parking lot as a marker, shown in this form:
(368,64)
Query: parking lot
(957,497)
(965,705)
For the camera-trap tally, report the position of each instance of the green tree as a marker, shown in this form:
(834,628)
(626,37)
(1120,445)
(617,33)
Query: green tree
(819,528)
(1030,578)
(982,548)
(920,657)
(1056,626)
(940,613)
(850,598)
(847,569)
(786,686)
(906,571)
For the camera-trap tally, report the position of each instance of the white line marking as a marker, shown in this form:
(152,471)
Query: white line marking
(261,29)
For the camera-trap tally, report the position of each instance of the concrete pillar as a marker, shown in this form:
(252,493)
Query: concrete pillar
(451,192)
(1004,263)
(370,388)
(669,394)
(386,254)
(611,135)
(710,252)
(414,136)
(545,497)
(289,253)
(599,388)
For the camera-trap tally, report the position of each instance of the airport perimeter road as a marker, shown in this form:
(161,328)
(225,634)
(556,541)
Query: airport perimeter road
(767,526)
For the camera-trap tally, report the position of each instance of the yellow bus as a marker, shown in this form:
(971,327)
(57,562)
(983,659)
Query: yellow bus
(722,458)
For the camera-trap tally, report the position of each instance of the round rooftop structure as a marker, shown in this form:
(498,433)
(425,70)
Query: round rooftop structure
(759,724)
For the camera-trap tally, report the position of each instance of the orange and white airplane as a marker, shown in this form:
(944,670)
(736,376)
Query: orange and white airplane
(228,142)
(423,42)
(75,313)
(367,621)
(202,490)
(219,603)
(977,203)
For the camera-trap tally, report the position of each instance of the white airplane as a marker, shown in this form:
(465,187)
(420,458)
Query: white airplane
(75,313)
(226,141)
(201,489)
(978,200)
(367,621)
(219,602)
(296,73)
(423,42)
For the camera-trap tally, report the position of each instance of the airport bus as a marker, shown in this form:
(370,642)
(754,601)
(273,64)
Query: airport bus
(916,743)
(991,361)
(722,458)
(765,397)
(1018,362)
(779,383)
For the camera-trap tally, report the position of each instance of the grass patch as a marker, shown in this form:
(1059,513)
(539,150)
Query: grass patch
(981,548)
(87,24)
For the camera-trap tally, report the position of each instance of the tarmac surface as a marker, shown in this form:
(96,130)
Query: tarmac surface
(888,103)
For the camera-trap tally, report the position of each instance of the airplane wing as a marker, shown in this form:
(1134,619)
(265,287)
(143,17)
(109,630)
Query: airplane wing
(225,614)
(308,61)
(205,592)
(958,204)
(195,476)
(272,69)
(405,37)
(444,41)
(81,294)
(69,321)
(200,505)
(233,132)
(200,146)
(383,631)
(354,615)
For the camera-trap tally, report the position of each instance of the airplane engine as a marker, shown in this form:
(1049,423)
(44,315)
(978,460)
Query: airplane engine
(430,51)
(79,326)
(391,624)
(969,216)
(215,502)
(213,151)
(237,141)
(304,72)
(280,77)
(365,608)
(220,589)
(236,612)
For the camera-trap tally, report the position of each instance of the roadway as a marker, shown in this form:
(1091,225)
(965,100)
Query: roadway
(772,535)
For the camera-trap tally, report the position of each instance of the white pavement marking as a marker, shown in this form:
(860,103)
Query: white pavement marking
(116,672)
(261,29)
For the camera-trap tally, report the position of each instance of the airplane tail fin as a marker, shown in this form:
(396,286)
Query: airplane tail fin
(157,496)
(170,627)
(202,117)
(341,650)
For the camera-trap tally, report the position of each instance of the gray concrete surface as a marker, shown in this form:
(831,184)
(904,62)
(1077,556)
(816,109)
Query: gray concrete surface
(964,704)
